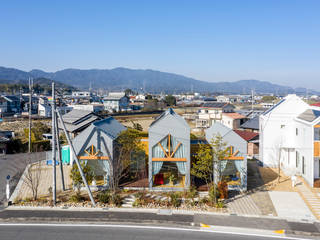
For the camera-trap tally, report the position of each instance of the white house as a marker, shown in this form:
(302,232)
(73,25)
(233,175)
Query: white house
(88,107)
(81,94)
(233,120)
(211,112)
(44,110)
(115,102)
(289,136)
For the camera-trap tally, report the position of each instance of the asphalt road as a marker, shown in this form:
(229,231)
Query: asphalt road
(85,232)
(14,165)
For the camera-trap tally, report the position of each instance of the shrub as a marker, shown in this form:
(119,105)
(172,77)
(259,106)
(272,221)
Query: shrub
(76,176)
(104,197)
(116,200)
(140,195)
(76,197)
(191,193)
(220,204)
(204,201)
(175,200)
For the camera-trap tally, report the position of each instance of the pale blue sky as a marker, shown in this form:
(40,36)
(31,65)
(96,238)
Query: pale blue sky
(276,41)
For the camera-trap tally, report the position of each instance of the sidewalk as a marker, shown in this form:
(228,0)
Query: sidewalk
(310,198)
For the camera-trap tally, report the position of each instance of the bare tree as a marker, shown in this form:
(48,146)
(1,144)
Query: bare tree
(32,177)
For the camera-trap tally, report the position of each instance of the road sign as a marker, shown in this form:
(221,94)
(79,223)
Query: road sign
(8,177)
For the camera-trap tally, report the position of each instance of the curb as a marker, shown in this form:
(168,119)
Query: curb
(152,210)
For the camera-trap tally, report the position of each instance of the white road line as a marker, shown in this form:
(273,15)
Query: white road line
(153,228)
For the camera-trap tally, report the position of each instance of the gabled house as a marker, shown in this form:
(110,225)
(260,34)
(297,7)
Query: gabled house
(252,139)
(9,104)
(251,125)
(78,120)
(233,168)
(96,146)
(115,102)
(289,137)
(233,120)
(211,112)
(169,152)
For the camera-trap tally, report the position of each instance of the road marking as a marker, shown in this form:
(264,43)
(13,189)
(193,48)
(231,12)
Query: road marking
(151,228)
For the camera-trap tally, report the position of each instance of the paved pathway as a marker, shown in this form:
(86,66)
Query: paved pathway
(14,165)
(311,199)
(243,205)
(290,205)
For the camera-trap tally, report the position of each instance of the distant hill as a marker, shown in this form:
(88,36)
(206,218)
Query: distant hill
(149,80)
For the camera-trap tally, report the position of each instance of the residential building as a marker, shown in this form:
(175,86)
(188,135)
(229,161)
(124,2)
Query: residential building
(115,102)
(169,152)
(96,145)
(78,120)
(88,107)
(44,110)
(211,112)
(251,125)
(234,168)
(233,120)
(252,139)
(9,104)
(289,138)
(79,94)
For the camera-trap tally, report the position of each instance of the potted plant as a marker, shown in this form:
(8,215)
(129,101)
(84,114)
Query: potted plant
(172,179)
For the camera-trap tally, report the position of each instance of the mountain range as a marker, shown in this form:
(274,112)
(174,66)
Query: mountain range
(148,80)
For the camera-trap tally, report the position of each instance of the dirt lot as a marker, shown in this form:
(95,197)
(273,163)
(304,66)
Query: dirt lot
(273,183)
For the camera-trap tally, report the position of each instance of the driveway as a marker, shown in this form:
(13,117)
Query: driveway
(14,165)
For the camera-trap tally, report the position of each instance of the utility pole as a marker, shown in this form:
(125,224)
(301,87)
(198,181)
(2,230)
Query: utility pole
(251,100)
(53,132)
(30,111)
(59,153)
(76,159)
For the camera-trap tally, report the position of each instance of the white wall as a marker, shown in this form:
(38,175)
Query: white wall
(276,128)
(304,145)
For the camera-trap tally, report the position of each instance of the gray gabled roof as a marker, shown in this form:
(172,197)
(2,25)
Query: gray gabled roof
(252,123)
(75,115)
(11,98)
(309,115)
(77,120)
(172,113)
(110,126)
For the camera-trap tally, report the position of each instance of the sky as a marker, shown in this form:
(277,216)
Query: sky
(269,40)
